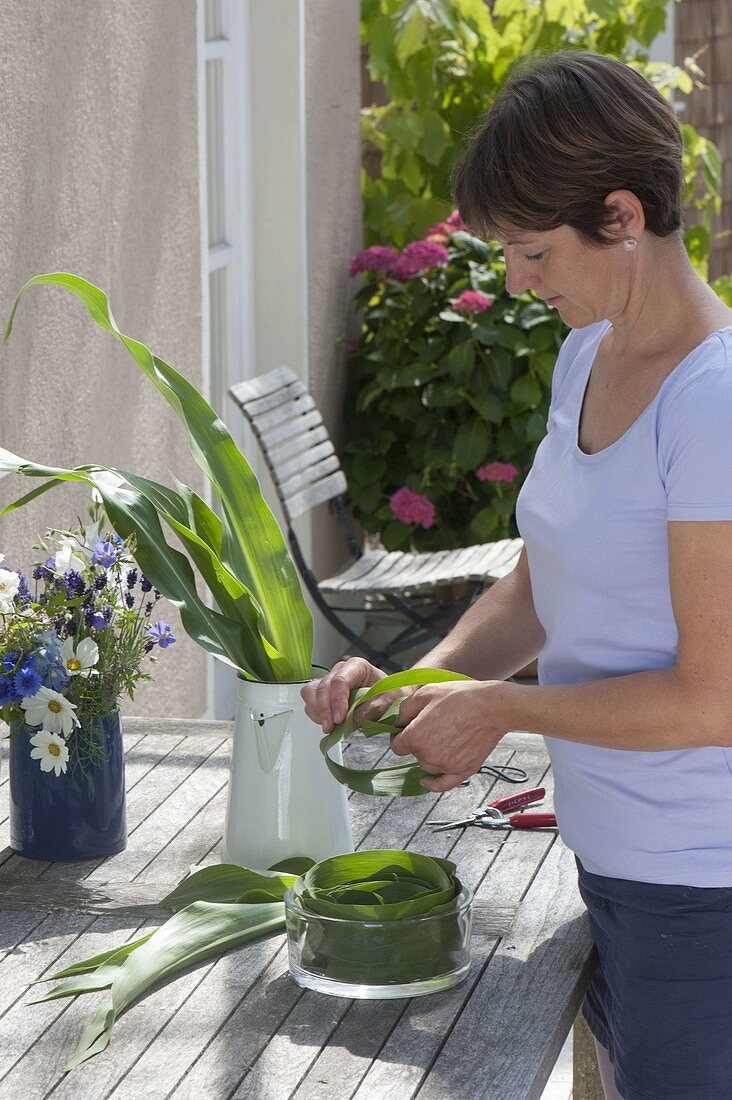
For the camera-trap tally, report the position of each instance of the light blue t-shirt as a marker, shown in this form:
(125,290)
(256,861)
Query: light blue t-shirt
(595,529)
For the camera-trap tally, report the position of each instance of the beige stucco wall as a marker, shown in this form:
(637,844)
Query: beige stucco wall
(99,171)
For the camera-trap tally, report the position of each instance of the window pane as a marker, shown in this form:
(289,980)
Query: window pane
(215,152)
(214,19)
(218,335)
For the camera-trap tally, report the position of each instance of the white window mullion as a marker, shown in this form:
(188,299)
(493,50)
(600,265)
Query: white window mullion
(225,198)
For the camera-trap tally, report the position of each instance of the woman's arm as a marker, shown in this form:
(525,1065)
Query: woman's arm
(495,637)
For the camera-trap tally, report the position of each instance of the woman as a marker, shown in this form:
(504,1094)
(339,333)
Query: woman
(624,586)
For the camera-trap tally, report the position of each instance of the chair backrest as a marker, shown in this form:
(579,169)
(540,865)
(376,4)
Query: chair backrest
(293,438)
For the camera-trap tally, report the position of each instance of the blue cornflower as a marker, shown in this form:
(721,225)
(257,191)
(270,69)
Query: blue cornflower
(49,667)
(74,583)
(145,584)
(100,582)
(98,622)
(6,688)
(118,541)
(26,681)
(129,599)
(104,553)
(49,644)
(131,578)
(9,660)
(161,635)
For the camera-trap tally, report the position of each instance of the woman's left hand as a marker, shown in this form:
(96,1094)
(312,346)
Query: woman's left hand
(447,728)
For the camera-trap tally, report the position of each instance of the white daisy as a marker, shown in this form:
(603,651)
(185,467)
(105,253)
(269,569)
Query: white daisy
(51,751)
(50,709)
(79,661)
(9,582)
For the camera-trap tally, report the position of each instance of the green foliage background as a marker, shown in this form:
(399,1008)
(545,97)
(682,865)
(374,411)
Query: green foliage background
(442,62)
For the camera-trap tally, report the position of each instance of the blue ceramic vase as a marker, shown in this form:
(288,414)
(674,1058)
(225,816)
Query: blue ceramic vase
(72,815)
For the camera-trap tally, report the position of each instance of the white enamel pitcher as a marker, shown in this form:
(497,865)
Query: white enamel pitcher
(282,800)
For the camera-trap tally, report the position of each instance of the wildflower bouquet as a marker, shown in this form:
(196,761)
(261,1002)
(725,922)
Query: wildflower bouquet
(73,640)
(450,382)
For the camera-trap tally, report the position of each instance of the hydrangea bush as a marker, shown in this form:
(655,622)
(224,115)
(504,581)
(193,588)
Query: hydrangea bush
(450,383)
(73,640)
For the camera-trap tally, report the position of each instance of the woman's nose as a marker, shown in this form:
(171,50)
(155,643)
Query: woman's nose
(519,278)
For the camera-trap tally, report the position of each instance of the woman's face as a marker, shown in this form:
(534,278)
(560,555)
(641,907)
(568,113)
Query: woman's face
(583,284)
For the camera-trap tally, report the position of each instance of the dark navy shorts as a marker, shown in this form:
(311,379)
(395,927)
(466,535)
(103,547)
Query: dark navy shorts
(660,1000)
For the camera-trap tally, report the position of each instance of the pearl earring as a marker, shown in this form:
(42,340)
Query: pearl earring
(630,242)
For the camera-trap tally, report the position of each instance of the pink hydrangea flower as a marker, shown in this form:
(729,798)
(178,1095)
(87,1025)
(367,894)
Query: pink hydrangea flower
(376,258)
(412,507)
(472,301)
(439,233)
(455,221)
(420,256)
(497,471)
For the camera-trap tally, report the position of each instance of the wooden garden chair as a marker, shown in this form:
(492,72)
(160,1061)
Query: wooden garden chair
(306,472)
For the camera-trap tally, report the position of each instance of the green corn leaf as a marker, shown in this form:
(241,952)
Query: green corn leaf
(200,931)
(400,779)
(226,882)
(166,567)
(95,961)
(252,546)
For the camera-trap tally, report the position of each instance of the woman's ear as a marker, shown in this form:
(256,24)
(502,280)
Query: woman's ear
(629,217)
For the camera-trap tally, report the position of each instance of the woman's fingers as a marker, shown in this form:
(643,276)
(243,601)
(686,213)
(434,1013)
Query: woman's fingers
(326,700)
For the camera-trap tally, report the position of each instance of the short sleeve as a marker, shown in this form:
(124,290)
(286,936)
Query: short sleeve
(695,447)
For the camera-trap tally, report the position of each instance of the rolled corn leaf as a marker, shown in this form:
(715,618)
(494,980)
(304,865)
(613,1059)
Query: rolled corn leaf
(399,779)
(352,908)
(252,547)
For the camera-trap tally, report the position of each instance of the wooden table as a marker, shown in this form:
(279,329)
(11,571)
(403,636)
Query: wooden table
(240,1026)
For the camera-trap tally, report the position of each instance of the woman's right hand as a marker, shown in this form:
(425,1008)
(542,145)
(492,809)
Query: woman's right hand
(326,700)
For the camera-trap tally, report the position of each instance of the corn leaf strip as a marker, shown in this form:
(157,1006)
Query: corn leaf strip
(252,546)
(399,779)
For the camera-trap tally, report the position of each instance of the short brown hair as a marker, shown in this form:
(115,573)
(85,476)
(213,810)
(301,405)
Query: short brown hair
(564,131)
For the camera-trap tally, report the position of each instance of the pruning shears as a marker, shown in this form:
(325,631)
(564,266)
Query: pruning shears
(496,815)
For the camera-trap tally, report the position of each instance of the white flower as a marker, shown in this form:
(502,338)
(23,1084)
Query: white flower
(79,661)
(50,709)
(51,751)
(65,558)
(107,479)
(9,582)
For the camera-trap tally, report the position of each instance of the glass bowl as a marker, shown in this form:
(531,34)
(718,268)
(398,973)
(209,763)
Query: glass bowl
(372,960)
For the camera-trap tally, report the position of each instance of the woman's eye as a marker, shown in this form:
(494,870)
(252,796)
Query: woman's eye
(538,256)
